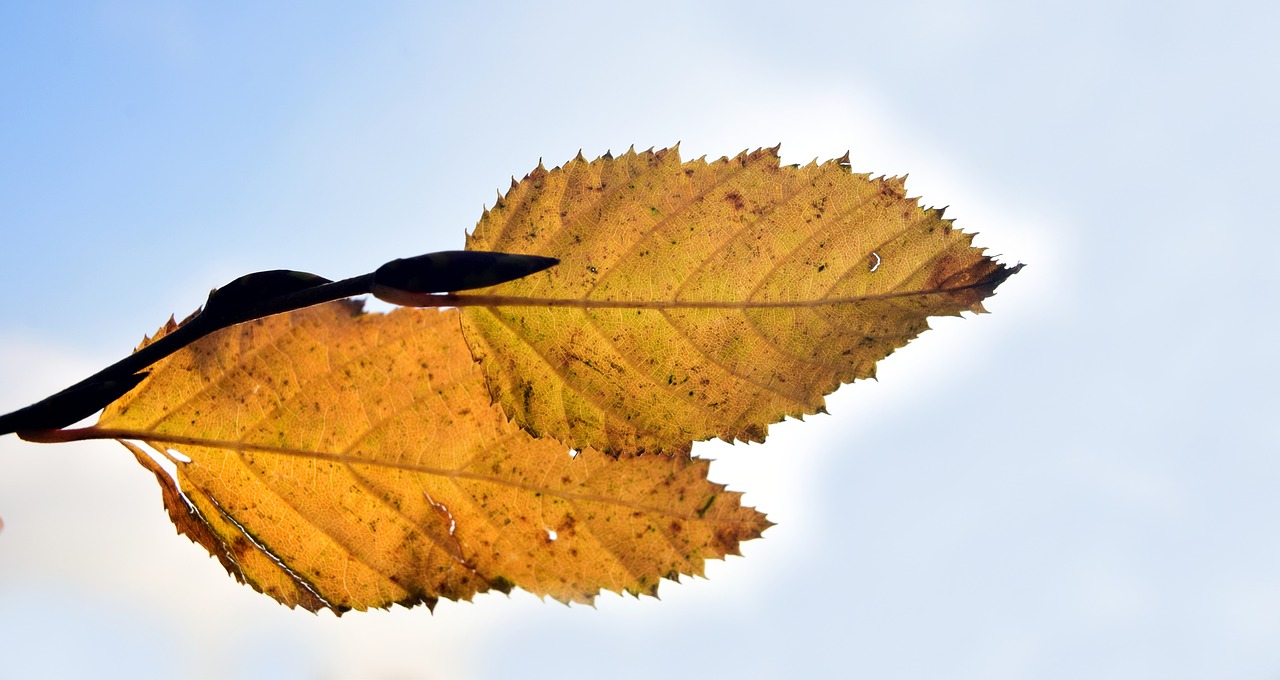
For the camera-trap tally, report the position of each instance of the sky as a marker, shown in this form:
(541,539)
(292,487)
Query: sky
(1081,484)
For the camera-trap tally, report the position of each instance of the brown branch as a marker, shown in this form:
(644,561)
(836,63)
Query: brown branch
(259,295)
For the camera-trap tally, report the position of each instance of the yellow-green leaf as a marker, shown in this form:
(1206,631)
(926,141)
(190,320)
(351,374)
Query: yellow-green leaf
(335,459)
(697,300)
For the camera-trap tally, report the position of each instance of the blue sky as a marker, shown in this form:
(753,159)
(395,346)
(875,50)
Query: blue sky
(1081,484)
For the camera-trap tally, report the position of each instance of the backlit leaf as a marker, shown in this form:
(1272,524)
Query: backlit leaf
(335,459)
(697,300)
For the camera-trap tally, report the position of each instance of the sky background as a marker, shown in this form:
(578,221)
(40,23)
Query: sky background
(1085,483)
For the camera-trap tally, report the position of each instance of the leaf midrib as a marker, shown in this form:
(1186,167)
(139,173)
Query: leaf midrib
(88,433)
(465,300)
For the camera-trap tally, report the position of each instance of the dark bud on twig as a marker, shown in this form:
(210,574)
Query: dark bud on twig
(253,296)
(242,299)
(454,270)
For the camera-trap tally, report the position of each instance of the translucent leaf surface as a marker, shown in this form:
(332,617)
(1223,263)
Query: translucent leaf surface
(697,300)
(335,459)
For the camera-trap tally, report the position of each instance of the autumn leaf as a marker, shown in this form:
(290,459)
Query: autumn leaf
(697,300)
(335,459)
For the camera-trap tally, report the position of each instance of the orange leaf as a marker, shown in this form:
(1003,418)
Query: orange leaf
(697,300)
(344,460)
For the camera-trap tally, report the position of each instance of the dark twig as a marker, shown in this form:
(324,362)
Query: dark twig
(262,294)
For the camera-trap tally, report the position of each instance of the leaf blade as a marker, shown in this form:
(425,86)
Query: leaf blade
(352,461)
(697,300)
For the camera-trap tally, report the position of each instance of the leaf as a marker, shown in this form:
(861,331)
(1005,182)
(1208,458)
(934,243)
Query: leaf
(334,459)
(702,300)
